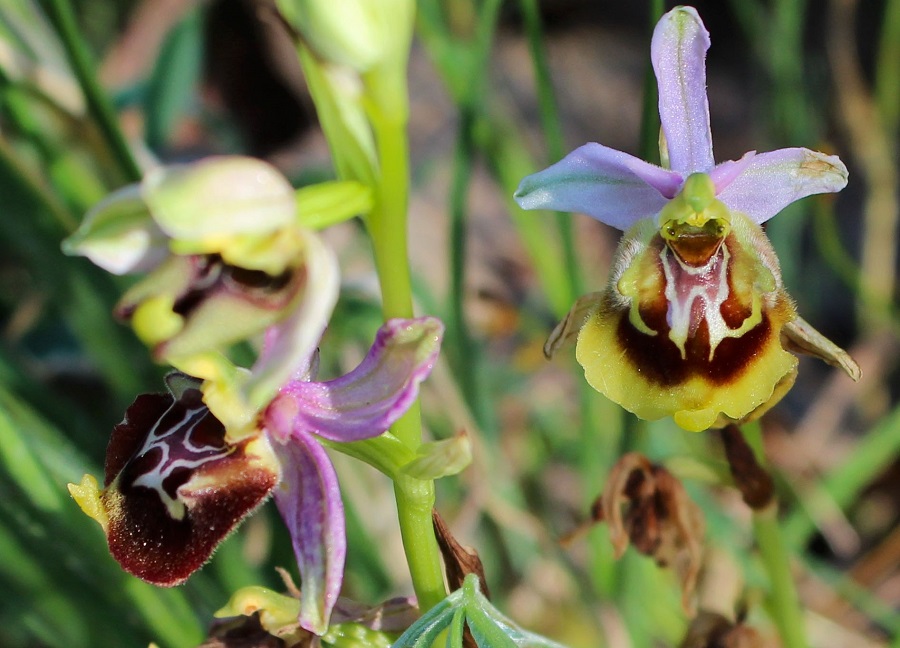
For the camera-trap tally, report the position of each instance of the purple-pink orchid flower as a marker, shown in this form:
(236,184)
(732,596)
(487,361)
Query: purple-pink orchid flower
(694,322)
(175,486)
(226,256)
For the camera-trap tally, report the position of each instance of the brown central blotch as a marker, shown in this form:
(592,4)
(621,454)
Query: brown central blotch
(659,359)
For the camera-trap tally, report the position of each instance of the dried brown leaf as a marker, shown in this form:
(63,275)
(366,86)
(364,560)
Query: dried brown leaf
(755,484)
(568,328)
(800,337)
(645,505)
(712,630)
(459,561)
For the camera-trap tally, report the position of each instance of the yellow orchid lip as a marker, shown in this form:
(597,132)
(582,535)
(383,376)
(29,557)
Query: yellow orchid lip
(691,325)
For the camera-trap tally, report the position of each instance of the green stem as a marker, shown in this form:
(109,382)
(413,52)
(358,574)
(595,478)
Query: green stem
(35,187)
(388,228)
(60,12)
(415,502)
(387,220)
(465,357)
(784,603)
(649,137)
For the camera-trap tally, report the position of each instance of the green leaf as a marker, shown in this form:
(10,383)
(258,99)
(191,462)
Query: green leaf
(55,562)
(175,76)
(468,606)
(424,632)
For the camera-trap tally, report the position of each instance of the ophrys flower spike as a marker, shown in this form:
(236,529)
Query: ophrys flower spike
(694,322)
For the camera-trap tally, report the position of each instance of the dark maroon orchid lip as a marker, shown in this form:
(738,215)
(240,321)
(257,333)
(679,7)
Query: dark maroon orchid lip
(164,518)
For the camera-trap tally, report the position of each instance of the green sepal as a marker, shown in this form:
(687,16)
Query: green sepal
(119,234)
(338,95)
(385,453)
(329,203)
(440,458)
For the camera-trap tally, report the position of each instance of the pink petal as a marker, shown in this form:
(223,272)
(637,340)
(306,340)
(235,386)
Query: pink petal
(678,51)
(725,173)
(368,400)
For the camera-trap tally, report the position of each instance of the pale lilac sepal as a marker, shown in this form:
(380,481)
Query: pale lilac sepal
(678,52)
(290,344)
(309,500)
(614,187)
(772,181)
(369,399)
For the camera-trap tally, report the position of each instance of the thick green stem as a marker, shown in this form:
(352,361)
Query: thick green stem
(387,221)
(415,501)
(60,11)
(388,227)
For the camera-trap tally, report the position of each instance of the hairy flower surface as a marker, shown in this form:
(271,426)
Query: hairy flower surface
(695,321)
(175,486)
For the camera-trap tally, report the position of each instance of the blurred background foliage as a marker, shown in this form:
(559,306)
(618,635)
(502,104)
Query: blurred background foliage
(499,89)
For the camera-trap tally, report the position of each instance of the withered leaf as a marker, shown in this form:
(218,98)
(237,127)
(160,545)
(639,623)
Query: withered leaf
(645,505)
(459,561)
(799,336)
(712,630)
(756,485)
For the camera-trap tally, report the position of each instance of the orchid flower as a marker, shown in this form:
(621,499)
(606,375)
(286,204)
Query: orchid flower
(226,256)
(175,485)
(229,257)
(695,322)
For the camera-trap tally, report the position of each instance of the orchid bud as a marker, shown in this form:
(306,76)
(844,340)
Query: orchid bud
(355,33)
